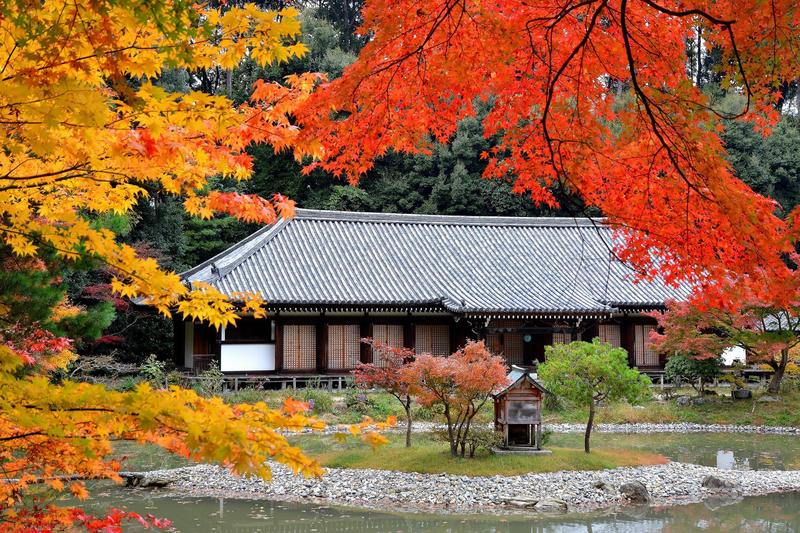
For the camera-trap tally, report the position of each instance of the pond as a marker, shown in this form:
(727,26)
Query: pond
(206,515)
(777,513)
(728,451)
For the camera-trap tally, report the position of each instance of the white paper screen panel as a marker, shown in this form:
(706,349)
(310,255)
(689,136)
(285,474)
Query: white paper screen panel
(247,357)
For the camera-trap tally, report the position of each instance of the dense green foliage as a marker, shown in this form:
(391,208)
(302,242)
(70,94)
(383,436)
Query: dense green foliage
(587,373)
(693,371)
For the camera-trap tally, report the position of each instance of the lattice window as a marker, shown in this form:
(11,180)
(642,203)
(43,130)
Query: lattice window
(344,346)
(299,347)
(643,352)
(387,335)
(513,348)
(562,337)
(611,334)
(508,344)
(433,339)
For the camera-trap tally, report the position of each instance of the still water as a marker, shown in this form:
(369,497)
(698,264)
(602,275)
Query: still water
(729,451)
(775,514)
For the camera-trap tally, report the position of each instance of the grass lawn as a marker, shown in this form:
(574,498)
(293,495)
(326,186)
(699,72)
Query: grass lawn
(717,410)
(432,456)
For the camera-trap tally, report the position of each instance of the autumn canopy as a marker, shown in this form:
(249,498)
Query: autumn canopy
(592,97)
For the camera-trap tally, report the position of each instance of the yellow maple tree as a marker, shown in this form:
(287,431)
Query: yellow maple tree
(83,128)
(86,132)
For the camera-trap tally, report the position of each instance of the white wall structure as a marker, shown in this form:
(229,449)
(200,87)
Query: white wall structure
(733,354)
(247,357)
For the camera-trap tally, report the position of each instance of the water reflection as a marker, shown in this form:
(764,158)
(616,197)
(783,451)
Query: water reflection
(729,451)
(726,460)
(776,514)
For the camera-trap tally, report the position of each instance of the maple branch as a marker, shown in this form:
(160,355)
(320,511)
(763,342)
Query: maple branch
(647,103)
(728,25)
(20,436)
(552,84)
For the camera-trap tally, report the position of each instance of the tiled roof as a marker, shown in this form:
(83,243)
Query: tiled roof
(464,264)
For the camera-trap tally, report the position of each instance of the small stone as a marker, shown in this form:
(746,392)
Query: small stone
(551,506)
(715,483)
(635,491)
(522,503)
(599,484)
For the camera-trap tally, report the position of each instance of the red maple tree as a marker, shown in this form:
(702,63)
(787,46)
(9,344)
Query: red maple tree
(387,373)
(592,96)
(462,383)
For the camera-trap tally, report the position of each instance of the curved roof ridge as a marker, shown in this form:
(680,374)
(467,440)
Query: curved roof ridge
(464,264)
(454,220)
(268,232)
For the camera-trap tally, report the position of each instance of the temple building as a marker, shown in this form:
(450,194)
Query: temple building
(426,282)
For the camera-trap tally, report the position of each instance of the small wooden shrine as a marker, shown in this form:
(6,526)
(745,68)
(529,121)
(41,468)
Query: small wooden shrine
(518,410)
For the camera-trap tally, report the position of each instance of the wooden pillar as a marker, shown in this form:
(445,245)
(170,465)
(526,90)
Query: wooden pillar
(628,333)
(278,345)
(409,340)
(322,345)
(590,332)
(366,332)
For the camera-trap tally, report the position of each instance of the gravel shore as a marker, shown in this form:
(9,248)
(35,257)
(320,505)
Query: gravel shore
(682,427)
(669,484)
(575,491)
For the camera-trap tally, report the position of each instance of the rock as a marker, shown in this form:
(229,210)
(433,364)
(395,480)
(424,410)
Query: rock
(158,478)
(522,503)
(551,506)
(599,484)
(715,483)
(635,491)
(718,502)
(768,398)
(683,401)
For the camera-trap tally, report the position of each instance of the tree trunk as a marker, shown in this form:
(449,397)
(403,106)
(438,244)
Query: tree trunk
(780,368)
(452,437)
(407,406)
(588,428)
(699,78)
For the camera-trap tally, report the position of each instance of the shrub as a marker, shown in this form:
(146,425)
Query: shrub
(427,413)
(696,372)
(736,382)
(483,438)
(245,396)
(358,401)
(127,383)
(319,400)
(211,381)
(154,371)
